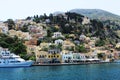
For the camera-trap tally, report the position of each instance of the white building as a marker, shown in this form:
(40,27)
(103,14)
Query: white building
(67,57)
(57,35)
(82,37)
(85,20)
(59,41)
(78,57)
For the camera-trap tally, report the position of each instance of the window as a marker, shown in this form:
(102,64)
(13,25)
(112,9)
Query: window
(42,56)
(45,55)
(7,53)
(48,56)
(93,57)
(14,61)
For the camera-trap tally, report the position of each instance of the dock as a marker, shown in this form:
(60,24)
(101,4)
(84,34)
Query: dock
(62,64)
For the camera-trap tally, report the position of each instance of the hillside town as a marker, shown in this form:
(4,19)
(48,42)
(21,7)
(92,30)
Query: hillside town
(58,47)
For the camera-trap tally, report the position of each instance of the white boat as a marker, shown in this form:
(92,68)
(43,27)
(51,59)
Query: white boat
(117,61)
(8,59)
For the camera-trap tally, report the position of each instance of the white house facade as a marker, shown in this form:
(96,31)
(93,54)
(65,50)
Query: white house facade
(77,57)
(67,57)
(59,41)
(57,35)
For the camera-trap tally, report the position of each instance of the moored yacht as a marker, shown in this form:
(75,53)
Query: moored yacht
(117,61)
(8,59)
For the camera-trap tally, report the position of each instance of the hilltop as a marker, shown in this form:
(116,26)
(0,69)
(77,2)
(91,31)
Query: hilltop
(97,14)
(105,17)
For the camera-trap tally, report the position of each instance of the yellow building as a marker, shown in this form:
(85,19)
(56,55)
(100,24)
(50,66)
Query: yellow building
(41,56)
(54,56)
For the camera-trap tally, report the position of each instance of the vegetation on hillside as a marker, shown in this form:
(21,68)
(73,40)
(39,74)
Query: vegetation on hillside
(71,23)
(14,44)
(67,23)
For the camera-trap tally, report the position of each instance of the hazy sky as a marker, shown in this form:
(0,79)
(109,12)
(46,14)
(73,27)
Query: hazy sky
(22,8)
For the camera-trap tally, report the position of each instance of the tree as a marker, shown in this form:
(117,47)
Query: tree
(54,29)
(49,33)
(45,49)
(29,56)
(24,28)
(20,48)
(51,18)
(52,46)
(11,24)
(14,44)
(101,55)
(81,48)
(59,46)
(4,44)
(36,19)
(100,43)
(38,42)
(28,18)
(9,40)
(45,16)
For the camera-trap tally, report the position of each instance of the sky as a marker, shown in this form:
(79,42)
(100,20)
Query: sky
(20,9)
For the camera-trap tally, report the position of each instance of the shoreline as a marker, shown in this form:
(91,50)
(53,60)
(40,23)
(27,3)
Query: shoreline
(62,64)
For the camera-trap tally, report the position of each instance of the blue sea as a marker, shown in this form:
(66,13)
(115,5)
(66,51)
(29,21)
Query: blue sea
(108,71)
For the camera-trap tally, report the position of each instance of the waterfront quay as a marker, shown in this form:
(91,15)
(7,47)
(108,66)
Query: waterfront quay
(62,64)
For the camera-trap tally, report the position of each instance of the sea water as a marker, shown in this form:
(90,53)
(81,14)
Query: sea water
(108,71)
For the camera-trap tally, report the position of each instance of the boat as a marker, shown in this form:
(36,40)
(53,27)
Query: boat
(117,61)
(8,59)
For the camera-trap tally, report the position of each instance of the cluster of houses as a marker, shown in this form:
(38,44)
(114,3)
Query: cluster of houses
(44,54)
(55,56)
(66,53)
(66,56)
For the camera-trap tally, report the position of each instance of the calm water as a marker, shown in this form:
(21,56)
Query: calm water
(71,72)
